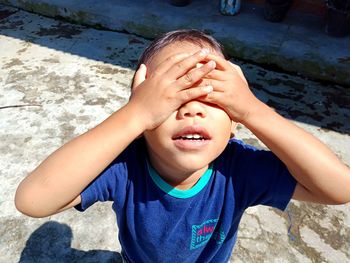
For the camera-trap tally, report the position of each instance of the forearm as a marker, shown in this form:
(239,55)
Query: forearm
(65,173)
(312,163)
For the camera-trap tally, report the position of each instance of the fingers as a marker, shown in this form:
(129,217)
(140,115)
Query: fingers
(216,84)
(221,63)
(140,75)
(182,67)
(194,93)
(240,72)
(216,74)
(170,62)
(213,97)
(195,75)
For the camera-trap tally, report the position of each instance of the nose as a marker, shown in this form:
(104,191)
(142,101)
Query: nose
(192,109)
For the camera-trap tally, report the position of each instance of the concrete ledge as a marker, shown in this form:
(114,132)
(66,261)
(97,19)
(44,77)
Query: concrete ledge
(297,45)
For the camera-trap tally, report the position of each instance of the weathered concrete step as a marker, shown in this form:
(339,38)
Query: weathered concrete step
(297,45)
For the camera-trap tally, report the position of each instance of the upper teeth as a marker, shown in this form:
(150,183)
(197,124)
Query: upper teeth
(192,136)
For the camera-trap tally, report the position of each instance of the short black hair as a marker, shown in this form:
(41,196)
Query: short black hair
(193,36)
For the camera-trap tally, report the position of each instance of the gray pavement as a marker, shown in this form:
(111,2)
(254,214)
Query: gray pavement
(297,45)
(57,80)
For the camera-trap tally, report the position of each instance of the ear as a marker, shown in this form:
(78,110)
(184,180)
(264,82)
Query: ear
(233,128)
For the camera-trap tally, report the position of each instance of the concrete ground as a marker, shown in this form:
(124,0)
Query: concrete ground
(57,80)
(297,45)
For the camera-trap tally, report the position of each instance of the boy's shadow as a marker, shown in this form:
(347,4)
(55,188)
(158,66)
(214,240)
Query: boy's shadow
(51,242)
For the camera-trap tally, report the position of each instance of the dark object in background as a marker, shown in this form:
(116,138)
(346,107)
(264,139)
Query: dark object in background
(338,18)
(276,10)
(180,2)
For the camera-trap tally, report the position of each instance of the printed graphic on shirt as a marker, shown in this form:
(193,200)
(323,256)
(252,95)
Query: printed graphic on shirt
(201,234)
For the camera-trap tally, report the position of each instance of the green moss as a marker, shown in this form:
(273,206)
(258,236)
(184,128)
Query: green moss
(234,47)
(310,66)
(314,69)
(40,8)
(80,17)
(5,2)
(147,30)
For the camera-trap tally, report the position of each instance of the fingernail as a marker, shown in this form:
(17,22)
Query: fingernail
(212,64)
(204,51)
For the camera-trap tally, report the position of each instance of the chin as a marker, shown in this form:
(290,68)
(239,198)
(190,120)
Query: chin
(191,163)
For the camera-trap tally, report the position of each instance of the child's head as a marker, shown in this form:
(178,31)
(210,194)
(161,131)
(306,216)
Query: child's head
(174,143)
(190,36)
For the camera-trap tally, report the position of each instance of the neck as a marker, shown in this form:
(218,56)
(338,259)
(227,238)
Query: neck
(182,180)
(189,181)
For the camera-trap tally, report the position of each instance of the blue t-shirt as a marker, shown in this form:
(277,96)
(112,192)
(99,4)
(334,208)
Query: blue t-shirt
(159,223)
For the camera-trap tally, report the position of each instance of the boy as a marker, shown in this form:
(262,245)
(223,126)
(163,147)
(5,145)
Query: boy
(179,184)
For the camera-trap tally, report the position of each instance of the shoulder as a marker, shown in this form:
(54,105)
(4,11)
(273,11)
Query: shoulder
(242,145)
(236,148)
(242,158)
(127,163)
(135,150)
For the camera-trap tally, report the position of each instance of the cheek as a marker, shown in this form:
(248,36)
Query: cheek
(221,115)
(158,134)
(223,121)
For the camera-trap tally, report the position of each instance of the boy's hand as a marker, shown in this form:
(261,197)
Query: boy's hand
(321,176)
(231,90)
(169,86)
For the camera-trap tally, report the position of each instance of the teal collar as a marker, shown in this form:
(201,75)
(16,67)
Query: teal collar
(170,190)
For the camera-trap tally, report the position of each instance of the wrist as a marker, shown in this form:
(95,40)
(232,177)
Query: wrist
(258,112)
(134,117)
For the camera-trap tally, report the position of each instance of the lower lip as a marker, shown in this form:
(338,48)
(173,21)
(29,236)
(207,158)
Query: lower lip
(190,145)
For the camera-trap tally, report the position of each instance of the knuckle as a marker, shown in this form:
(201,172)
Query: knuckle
(189,94)
(188,77)
(156,73)
(209,82)
(206,82)
(179,66)
(168,98)
(171,58)
(210,75)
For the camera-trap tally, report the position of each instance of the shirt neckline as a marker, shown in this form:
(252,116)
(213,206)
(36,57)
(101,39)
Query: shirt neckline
(172,191)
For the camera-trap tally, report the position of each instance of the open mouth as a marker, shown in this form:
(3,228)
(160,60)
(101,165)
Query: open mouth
(192,138)
(194,132)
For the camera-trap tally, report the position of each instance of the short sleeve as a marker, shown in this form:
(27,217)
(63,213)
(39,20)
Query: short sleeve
(103,188)
(110,185)
(260,178)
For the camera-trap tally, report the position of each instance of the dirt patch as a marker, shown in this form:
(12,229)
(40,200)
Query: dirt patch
(12,63)
(61,30)
(6,13)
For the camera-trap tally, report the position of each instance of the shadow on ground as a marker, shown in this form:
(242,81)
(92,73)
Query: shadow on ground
(79,40)
(51,242)
(319,104)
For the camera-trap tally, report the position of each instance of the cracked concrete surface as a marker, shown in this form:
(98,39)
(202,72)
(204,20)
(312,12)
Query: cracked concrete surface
(58,80)
(297,45)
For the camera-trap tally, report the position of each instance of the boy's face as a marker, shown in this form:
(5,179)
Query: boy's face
(194,135)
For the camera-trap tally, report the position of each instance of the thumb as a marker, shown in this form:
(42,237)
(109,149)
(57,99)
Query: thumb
(140,75)
(240,72)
